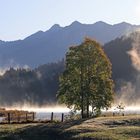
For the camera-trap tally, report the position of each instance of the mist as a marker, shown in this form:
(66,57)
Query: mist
(26,106)
(134,53)
(15,67)
(129,92)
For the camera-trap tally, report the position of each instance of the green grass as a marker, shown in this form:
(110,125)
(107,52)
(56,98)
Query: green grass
(10,129)
(118,133)
(101,128)
(108,128)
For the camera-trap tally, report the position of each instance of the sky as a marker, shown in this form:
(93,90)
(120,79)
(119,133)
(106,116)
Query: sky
(21,18)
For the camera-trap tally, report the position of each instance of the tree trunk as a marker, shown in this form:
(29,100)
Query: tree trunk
(82,104)
(87,108)
(82,94)
(82,112)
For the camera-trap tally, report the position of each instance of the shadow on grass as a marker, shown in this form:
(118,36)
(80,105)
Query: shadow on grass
(48,131)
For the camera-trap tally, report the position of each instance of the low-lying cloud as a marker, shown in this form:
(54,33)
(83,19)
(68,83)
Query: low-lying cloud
(129,93)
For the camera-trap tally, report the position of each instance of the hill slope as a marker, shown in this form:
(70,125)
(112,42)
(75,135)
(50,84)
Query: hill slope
(40,85)
(50,46)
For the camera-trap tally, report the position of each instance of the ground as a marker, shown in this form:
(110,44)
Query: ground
(101,128)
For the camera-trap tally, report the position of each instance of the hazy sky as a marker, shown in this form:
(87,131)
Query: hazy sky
(20,18)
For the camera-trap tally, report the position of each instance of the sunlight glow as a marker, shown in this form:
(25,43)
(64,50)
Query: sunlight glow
(58,109)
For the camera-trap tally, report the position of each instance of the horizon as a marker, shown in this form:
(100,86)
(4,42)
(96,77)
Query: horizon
(20,19)
(69,25)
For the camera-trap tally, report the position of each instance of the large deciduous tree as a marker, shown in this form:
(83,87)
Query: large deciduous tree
(86,80)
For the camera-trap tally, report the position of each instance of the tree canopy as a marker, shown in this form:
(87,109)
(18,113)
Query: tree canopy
(37,86)
(86,80)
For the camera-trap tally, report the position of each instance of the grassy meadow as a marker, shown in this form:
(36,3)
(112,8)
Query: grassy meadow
(101,128)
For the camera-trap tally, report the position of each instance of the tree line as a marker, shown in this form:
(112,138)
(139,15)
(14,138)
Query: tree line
(37,86)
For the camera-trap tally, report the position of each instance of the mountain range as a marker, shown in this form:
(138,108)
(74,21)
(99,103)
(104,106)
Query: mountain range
(120,42)
(51,45)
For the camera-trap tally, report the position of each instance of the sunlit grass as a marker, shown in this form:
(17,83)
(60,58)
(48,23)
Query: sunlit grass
(101,128)
(118,133)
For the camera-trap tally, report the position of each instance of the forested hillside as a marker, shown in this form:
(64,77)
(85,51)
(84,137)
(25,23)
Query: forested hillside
(38,86)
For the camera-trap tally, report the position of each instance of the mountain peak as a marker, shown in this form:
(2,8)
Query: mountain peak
(101,23)
(76,23)
(123,24)
(55,27)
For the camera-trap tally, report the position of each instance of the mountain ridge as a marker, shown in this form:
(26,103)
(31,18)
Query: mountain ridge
(51,45)
(74,22)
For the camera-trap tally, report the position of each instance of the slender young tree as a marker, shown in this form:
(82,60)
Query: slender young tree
(86,80)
